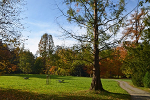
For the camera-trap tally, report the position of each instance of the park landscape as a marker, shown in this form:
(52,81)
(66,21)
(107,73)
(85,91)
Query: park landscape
(92,68)
(14,87)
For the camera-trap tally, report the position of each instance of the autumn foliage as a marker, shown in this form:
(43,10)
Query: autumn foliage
(53,70)
(135,26)
(6,65)
(111,66)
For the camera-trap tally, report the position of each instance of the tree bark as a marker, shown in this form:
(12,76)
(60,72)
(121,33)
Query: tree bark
(96,82)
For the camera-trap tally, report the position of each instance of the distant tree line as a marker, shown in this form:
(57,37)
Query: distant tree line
(53,60)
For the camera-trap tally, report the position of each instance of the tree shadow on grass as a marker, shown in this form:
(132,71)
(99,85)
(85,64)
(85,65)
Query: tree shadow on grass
(118,96)
(11,94)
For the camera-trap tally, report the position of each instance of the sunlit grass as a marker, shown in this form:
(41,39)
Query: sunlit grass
(76,88)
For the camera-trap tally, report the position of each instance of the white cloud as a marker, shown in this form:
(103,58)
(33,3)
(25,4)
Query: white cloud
(39,28)
(34,38)
(40,24)
(32,43)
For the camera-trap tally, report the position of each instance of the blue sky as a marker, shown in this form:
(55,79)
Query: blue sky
(41,18)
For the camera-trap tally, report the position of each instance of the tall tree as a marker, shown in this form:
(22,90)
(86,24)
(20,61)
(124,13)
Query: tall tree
(10,21)
(101,19)
(135,26)
(46,47)
(46,44)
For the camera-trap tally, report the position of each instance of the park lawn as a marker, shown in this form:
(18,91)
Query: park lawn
(15,87)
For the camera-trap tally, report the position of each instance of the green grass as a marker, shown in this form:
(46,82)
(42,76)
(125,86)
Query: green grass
(15,87)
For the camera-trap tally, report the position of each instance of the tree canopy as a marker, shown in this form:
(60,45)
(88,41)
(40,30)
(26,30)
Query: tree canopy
(26,61)
(102,20)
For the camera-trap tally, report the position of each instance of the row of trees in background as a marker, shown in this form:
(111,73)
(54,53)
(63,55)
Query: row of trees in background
(55,60)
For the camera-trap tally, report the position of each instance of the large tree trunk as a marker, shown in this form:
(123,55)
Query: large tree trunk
(96,82)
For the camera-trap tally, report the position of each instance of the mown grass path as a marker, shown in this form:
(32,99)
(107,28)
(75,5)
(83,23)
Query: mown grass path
(15,87)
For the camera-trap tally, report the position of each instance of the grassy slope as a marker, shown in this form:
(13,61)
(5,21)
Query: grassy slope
(74,88)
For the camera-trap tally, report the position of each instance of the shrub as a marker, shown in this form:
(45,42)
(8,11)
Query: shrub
(137,79)
(146,80)
(62,71)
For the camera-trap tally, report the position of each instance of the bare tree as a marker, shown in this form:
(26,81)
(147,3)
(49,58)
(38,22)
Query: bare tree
(10,21)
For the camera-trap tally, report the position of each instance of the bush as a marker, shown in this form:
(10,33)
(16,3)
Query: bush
(137,79)
(146,80)
(62,71)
